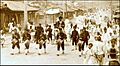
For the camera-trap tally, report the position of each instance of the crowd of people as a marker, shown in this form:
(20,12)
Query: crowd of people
(93,41)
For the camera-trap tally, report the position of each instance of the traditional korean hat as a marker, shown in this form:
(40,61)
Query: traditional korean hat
(60,28)
(60,17)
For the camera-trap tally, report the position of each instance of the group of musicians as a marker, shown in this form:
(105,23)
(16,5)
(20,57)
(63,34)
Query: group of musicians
(78,40)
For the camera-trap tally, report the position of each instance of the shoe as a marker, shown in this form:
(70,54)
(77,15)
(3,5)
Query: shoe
(2,46)
(72,50)
(25,53)
(39,54)
(57,54)
(12,53)
(79,55)
(45,52)
(18,52)
(75,48)
(62,52)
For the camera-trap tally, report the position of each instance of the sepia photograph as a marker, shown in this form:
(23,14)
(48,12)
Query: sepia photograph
(60,32)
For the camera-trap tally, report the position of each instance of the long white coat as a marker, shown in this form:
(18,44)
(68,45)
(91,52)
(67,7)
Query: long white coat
(89,56)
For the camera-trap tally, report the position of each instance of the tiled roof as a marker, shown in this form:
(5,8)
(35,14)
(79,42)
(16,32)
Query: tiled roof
(18,6)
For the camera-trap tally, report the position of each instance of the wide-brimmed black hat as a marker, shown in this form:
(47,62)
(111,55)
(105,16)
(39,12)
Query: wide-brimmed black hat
(84,28)
(75,26)
(60,17)
(26,29)
(60,28)
(39,23)
(105,28)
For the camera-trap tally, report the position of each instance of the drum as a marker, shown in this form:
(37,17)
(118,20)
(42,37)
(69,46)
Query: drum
(41,42)
(59,41)
(14,41)
(27,42)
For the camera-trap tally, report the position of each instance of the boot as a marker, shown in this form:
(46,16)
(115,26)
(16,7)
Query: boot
(2,46)
(45,51)
(79,54)
(36,46)
(72,48)
(26,51)
(62,51)
(58,53)
(12,53)
(75,47)
(39,51)
(19,51)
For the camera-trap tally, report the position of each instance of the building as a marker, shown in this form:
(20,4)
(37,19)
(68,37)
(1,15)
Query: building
(14,9)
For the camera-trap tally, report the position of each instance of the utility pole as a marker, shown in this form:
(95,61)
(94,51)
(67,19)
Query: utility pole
(25,14)
(111,9)
(45,15)
(66,8)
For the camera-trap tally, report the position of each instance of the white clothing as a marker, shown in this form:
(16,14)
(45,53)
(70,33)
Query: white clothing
(109,30)
(99,48)
(105,37)
(28,26)
(89,58)
(10,26)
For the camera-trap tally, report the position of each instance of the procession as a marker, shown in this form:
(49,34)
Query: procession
(78,37)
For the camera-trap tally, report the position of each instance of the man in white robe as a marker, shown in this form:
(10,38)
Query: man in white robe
(89,55)
(100,51)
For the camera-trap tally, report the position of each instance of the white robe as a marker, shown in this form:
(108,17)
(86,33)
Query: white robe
(10,26)
(105,38)
(99,47)
(89,59)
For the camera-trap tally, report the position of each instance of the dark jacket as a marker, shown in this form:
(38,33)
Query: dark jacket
(61,35)
(85,35)
(26,36)
(58,24)
(42,37)
(16,36)
(38,31)
(75,34)
(49,31)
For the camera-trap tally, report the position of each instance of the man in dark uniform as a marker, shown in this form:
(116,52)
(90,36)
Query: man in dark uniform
(60,41)
(60,23)
(15,40)
(39,30)
(26,39)
(75,37)
(42,42)
(85,37)
(49,30)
